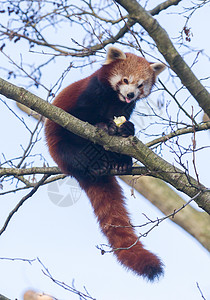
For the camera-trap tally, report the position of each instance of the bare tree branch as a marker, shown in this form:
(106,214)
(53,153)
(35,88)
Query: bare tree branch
(79,12)
(29,171)
(167,49)
(178,132)
(131,146)
(3,298)
(55,170)
(162,6)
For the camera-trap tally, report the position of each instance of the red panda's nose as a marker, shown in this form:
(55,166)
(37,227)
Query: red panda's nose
(130,95)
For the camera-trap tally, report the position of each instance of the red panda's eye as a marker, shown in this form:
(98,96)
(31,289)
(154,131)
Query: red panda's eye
(140,85)
(125,80)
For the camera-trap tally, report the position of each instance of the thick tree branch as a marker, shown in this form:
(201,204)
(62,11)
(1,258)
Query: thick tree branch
(56,170)
(131,146)
(167,49)
(181,131)
(3,298)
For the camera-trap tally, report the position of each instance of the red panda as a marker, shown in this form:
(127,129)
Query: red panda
(111,91)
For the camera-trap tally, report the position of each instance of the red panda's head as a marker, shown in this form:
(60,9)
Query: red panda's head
(131,76)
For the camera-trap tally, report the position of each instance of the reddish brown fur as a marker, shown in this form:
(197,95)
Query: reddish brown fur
(108,203)
(105,194)
(133,65)
(66,100)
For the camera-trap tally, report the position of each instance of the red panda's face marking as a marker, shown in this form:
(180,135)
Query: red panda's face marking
(131,76)
(130,88)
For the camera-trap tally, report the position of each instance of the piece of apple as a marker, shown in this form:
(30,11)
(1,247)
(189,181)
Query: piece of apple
(119,120)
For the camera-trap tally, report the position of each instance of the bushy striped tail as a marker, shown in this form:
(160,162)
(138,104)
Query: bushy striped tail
(108,203)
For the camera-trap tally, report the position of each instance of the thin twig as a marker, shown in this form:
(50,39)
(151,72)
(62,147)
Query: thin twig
(194,149)
(200,291)
(155,222)
(21,203)
(181,131)
(30,261)
(65,286)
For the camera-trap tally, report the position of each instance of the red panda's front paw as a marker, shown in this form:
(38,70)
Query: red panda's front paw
(112,128)
(126,129)
(109,127)
(103,126)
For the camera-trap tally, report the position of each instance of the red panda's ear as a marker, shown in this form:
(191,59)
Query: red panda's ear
(114,54)
(158,68)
